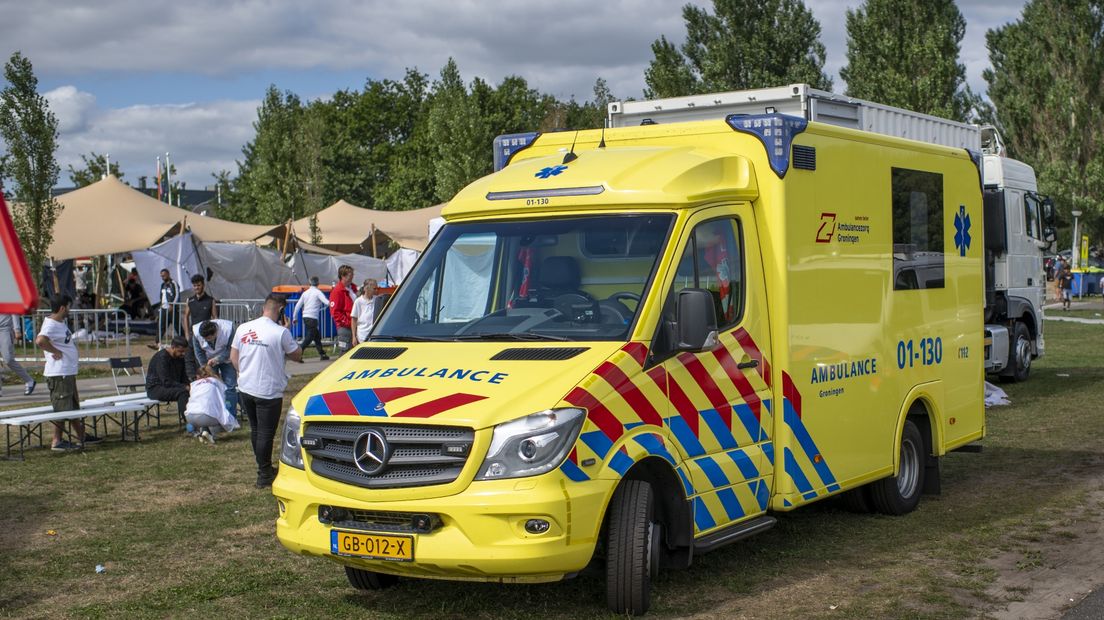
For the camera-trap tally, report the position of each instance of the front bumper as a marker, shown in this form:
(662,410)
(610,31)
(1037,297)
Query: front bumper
(482,535)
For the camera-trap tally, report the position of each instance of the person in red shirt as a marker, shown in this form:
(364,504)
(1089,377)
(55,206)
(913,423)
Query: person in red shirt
(341,305)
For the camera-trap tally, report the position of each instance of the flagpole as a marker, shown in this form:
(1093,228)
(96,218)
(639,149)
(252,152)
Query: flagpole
(158,177)
(168,176)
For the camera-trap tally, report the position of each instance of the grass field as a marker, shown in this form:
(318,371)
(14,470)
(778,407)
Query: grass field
(182,532)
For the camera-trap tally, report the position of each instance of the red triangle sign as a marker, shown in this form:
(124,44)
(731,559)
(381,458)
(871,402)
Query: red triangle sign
(18,294)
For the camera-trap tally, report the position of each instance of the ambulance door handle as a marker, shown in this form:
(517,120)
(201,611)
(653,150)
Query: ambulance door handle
(748,364)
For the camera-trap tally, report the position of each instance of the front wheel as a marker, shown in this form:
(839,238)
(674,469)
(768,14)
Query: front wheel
(900,494)
(367,580)
(1019,353)
(633,543)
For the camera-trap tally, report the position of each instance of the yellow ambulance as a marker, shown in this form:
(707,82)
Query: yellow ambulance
(631,346)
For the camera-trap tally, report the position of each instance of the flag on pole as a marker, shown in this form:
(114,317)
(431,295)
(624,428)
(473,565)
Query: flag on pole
(158,177)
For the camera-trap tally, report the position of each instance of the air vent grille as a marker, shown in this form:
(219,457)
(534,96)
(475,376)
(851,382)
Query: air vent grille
(378,353)
(804,157)
(534,355)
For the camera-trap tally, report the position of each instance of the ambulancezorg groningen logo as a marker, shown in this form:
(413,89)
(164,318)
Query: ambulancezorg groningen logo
(962,230)
(371,452)
(550,171)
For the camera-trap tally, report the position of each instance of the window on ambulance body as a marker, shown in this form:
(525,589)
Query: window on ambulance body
(556,279)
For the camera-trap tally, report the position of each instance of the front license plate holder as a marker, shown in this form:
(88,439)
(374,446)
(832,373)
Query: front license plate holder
(372,546)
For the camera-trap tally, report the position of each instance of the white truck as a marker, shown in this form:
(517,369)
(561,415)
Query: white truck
(1018,222)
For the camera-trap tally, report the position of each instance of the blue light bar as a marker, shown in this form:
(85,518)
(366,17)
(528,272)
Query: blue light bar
(506,145)
(775,131)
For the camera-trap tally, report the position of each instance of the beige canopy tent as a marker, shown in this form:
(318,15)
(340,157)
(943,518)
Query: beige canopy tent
(346,227)
(110,217)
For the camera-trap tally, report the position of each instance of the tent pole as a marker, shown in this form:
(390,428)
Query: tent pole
(374,241)
(287,234)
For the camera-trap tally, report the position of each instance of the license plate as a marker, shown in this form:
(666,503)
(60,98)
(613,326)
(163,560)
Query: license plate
(375,546)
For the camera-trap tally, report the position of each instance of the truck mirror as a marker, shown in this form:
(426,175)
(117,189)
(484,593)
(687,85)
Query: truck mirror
(1049,234)
(1048,212)
(697,320)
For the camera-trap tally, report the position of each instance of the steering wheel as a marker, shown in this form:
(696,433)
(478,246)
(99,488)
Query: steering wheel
(624,295)
(577,307)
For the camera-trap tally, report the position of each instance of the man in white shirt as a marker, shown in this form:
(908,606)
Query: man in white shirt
(211,342)
(258,353)
(56,342)
(312,301)
(364,311)
(8,332)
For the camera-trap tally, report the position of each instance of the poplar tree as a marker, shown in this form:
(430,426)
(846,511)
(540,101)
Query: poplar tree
(29,130)
(905,53)
(1046,82)
(742,44)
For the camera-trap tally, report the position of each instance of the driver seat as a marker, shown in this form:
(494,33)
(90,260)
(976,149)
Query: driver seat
(558,275)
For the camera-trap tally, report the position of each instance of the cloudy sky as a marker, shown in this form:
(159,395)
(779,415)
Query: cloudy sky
(137,78)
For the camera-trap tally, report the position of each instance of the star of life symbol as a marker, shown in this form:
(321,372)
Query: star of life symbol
(962,230)
(550,171)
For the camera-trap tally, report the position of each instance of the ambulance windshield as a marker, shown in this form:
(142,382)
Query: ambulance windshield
(572,278)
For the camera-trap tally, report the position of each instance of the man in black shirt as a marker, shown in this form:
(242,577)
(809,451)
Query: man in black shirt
(166,380)
(201,307)
(168,298)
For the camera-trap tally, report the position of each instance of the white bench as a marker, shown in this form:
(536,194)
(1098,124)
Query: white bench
(29,424)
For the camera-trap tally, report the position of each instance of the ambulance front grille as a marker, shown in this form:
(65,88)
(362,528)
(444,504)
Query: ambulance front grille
(418,455)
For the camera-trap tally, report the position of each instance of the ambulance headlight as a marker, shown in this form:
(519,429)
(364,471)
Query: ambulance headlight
(531,445)
(290,452)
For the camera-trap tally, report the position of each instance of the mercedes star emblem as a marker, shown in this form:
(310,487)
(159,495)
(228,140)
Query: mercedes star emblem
(371,452)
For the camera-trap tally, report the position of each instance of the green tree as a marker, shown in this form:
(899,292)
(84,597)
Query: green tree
(742,44)
(905,54)
(457,129)
(268,188)
(29,129)
(93,170)
(1045,83)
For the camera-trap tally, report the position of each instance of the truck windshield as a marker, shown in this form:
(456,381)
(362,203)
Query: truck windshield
(572,278)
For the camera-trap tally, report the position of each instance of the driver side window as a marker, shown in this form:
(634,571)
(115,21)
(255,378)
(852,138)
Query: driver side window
(712,260)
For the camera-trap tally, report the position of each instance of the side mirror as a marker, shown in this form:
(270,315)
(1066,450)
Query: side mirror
(1049,234)
(697,320)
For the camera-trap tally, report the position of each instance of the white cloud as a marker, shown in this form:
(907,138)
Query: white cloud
(71,107)
(202,138)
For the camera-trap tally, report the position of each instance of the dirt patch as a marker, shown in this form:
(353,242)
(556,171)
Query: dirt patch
(1048,570)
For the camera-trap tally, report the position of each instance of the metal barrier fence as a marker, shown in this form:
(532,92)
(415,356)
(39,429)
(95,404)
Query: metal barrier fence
(99,334)
(238,311)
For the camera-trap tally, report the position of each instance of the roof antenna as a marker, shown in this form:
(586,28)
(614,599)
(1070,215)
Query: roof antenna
(602,142)
(571,156)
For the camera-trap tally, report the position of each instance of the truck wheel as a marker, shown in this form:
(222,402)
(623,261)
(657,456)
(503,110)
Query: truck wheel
(1019,353)
(633,542)
(900,494)
(367,580)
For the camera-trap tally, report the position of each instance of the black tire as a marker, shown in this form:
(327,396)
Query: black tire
(1019,353)
(632,548)
(857,500)
(900,494)
(367,580)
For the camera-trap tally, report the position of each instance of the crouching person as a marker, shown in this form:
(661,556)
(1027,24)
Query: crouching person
(206,410)
(166,379)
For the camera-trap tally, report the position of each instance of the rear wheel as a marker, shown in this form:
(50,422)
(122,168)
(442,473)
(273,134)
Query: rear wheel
(633,544)
(367,580)
(901,493)
(857,500)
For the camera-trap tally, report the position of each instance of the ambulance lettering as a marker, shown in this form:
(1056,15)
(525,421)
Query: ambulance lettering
(823,373)
(458,374)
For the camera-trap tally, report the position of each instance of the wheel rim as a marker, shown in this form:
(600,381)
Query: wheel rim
(910,469)
(1023,352)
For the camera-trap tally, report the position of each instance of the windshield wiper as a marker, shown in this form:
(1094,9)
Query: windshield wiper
(523,336)
(409,339)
